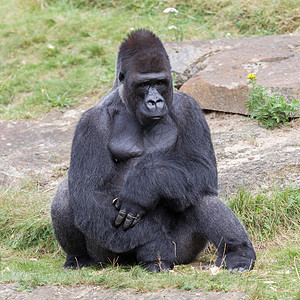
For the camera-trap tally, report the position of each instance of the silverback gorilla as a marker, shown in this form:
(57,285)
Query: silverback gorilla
(142,184)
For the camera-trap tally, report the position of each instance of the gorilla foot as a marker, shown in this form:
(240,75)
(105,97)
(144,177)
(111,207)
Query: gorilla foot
(236,262)
(237,258)
(158,266)
(77,262)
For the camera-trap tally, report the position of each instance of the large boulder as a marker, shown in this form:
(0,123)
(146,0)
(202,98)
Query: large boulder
(214,72)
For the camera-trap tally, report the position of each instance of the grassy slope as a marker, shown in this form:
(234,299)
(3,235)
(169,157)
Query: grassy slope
(54,54)
(58,55)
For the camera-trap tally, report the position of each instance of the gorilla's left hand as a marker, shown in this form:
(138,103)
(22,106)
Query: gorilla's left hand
(125,215)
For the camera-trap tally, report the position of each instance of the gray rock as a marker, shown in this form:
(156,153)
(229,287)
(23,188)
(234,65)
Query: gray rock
(214,72)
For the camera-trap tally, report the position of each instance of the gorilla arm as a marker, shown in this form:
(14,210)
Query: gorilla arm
(177,178)
(90,168)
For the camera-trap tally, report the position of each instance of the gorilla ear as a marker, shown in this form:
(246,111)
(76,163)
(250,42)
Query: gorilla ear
(121,77)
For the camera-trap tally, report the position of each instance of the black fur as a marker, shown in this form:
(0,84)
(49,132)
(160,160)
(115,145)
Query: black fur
(142,184)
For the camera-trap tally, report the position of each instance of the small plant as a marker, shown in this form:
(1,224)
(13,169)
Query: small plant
(175,29)
(270,110)
(60,101)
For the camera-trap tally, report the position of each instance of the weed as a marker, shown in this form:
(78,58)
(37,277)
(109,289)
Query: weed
(61,101)
(174,24)
(24,219)
(270,110)
(268,214)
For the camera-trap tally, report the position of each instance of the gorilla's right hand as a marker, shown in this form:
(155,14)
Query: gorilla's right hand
(125,215)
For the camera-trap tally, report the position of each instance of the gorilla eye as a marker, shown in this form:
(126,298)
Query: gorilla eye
(162,82)
(144,84)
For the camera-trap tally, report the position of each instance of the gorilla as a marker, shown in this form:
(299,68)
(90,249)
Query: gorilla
(142,184)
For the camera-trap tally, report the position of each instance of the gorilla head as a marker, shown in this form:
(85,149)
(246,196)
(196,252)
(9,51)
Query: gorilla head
(144,77)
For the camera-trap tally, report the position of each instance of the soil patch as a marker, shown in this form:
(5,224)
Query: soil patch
(246,153)
(89,292)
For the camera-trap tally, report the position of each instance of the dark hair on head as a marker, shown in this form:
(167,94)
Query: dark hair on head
(139,40)
(143,43)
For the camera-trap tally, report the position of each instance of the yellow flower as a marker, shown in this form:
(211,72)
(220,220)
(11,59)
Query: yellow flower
(251,76)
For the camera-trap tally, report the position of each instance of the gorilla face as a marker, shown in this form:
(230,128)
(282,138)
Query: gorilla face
(151,95)
(146,87)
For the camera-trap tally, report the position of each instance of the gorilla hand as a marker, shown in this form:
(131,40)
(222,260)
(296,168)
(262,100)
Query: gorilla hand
(130,219)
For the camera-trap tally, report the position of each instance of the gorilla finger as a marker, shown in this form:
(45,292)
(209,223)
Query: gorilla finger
(135,220)
(128,221)
(120,218)
(117,205)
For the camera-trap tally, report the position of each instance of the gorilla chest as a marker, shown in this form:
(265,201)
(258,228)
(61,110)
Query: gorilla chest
(129,141)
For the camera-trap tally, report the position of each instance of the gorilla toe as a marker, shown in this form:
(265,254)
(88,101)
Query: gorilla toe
(156,267)
(78,262)
(237,258)
(235,262)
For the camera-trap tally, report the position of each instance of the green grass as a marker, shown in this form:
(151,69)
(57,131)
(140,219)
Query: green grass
(274,276)
(25,219)
(55,54)
(268,213)
(30,257)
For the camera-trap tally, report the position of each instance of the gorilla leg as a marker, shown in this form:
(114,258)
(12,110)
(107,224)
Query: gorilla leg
(158,254)
(188,243)
(220,226)
(71,239)
(153,249)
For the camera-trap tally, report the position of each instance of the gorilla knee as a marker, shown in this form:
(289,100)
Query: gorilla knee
(60,204)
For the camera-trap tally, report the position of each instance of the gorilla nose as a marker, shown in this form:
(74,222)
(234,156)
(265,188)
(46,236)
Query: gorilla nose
(154,105)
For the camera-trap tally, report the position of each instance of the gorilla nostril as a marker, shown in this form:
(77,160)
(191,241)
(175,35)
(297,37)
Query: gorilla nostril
(152,105)
(152,102)
(159,104)
(155,104)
